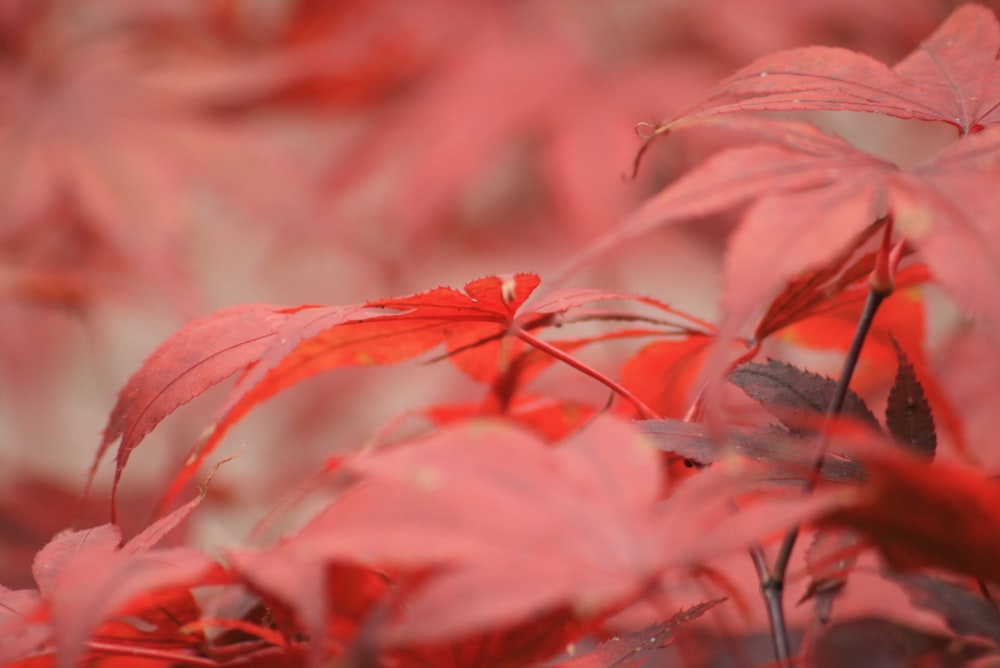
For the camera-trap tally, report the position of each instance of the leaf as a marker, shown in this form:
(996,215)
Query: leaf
(61,550)
(383,331)
(786,456)
(84,579)
(200,355)
(664,373)
(886,644)
(908,414)
(629,648)
(965,612)
(950,78)
(814,199)
(920,514)
(829,559)
(798,398)
(123,146)
(480,328)
(590,531)
(583,509)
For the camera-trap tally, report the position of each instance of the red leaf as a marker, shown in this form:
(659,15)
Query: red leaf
(920,514)
(950,78)
(53,558)
(360,336)
(84,579)
(201,355)
(585,510)
(663,373)
(589,534)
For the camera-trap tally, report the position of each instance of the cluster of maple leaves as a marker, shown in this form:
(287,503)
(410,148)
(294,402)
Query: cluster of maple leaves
(527,524)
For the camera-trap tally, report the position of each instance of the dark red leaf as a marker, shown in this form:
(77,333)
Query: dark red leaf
(786,456)
(908,414)
(886,644)
(920,514)
(966,612)
(798,398)
(629,648)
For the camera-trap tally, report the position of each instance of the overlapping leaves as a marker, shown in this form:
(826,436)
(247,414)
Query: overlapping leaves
(483,330)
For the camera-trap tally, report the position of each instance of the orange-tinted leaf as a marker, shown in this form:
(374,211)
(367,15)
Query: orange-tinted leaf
(950,78)
(360,336)
(826,287)
(663,374)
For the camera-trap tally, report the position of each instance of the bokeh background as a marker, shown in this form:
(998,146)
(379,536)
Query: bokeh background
(164,158)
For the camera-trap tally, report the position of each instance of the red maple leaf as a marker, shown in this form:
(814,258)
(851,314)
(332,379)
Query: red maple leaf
(99,132)
(950,78)
(482,330)
(590,534)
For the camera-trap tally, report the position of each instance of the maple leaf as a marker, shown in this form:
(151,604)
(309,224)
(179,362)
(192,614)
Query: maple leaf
(482,329)
(663,374)
(93,127)
(590,535)
(809,194)
(201,355)
(950,78)
(796,397)
(503,90)
(84,577)
(918,514)
(908,414)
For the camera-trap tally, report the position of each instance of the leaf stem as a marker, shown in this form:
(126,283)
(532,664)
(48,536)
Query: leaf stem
(773,580)
(645,411)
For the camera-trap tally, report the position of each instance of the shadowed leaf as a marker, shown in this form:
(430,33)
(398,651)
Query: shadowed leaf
(966,613)
(908,414)
(794,396)
(626,649)
(788,457)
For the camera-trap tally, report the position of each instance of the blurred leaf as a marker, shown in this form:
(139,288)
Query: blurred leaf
(966,612)
(629,648)
(886,644)
(920,514)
